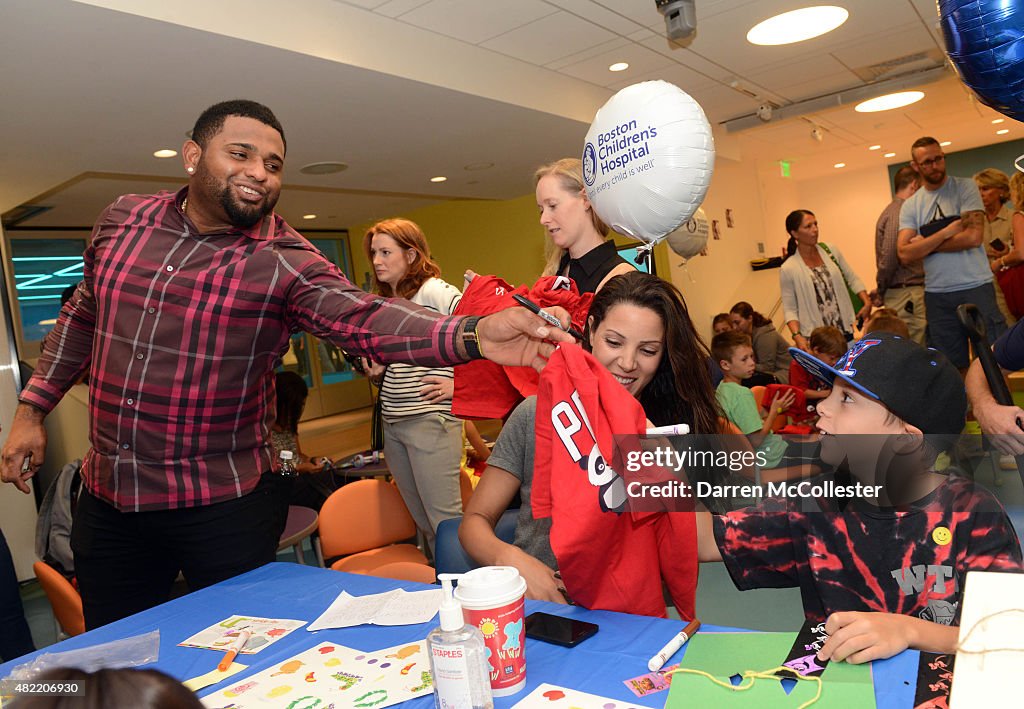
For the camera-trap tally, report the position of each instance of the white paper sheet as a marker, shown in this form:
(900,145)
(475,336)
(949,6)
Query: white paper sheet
(396,607)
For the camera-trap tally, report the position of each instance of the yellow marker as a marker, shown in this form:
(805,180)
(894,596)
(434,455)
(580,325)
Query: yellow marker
(942,536)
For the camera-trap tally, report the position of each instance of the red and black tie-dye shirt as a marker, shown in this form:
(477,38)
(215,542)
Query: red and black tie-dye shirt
(847,555)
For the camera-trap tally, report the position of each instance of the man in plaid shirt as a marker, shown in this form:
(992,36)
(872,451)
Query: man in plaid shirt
(186,308)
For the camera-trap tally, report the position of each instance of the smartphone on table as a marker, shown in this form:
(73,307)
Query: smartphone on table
(557,629)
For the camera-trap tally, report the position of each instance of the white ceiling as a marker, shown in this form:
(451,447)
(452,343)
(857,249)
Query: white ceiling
(403,90)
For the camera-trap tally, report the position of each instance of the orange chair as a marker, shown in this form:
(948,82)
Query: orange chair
(63,597)
(363,523)
(405,571)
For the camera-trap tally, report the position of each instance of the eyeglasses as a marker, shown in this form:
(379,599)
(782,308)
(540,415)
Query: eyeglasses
(932,161)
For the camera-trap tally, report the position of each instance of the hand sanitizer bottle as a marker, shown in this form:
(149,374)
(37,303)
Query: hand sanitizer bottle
(457,659)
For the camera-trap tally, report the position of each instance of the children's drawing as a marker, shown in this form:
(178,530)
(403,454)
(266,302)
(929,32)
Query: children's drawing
(265,631)
(314,678)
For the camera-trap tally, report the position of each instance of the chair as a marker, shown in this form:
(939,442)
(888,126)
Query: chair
(363,523)
(302,522)
(405,571)
(451,558)
(64,599)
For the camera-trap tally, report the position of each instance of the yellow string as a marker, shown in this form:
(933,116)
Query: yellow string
(753,676)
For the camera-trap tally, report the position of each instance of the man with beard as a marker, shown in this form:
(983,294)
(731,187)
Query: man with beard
(943,224)
(185,310)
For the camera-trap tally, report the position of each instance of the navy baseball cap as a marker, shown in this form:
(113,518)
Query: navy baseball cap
(917,384)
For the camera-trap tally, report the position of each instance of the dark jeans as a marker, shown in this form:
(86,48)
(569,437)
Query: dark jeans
(126,562)
(946,334)
(15,638)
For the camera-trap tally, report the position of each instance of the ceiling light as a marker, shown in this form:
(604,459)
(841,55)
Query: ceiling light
(309,216)
(798,25)
(875,147)
(618,66)
(997,120)
(439,178)
(323,168)
(1004,131)
(165,153)
(889,101)
(944,143)
(889,155)
(840,164)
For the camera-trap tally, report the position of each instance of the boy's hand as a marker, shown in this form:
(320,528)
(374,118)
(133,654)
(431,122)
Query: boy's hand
(782,401)
(859,637)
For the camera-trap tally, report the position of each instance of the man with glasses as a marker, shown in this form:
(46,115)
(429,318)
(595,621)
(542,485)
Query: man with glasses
(944,224)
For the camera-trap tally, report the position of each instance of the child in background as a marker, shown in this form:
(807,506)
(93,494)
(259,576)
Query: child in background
(721,323)
(827,344)
(887,320)
(884,569)
(315,482)
(735,355)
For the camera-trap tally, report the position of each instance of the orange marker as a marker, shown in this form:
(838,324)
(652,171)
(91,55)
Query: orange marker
(232,652)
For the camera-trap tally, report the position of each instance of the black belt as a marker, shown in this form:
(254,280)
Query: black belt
(905,285)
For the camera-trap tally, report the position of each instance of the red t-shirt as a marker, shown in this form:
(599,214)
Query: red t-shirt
(608,558)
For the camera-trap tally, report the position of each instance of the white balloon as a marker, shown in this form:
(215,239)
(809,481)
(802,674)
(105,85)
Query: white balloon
(691,238)
(648,159)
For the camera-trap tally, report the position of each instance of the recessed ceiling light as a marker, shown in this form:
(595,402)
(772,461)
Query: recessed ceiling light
(889,101)
(945,143)
(618,66)
(1004,131)
(323,168)
(840,164)
(474,166)
(309,216)
(875,147)
(798,25)
(439,178)
(997,120)
(889,155)
(165,153)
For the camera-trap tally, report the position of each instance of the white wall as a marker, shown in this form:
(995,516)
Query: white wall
(17,510)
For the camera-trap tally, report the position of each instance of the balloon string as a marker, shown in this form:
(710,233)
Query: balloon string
(753,676)
(1017,163)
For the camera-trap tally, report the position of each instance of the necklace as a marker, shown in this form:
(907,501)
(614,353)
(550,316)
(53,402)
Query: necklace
(184,205)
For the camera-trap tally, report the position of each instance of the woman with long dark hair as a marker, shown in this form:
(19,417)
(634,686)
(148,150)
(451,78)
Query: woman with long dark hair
(640,330)
(814,280)
(770,349)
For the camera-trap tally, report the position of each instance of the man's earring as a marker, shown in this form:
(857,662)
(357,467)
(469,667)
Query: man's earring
(190,170)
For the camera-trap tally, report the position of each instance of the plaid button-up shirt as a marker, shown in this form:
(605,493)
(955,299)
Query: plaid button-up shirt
(181,332)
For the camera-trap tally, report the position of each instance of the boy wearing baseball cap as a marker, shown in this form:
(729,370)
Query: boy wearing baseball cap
(885,572)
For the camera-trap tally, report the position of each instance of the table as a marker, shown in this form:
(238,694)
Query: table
(619,651)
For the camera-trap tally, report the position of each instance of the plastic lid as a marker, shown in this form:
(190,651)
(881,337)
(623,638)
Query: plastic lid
(451,611)
(488,582)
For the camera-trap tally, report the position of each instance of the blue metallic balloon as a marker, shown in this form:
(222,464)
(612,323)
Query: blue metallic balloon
(985,42)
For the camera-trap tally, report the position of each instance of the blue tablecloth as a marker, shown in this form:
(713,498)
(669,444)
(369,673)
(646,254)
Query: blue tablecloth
(619,651)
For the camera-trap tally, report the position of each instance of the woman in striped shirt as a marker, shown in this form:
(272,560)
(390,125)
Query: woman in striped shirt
(422,440)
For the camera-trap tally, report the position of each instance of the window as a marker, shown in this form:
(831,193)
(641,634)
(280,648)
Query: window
(43,268)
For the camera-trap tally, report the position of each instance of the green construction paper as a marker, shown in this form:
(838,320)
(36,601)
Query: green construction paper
(727,654)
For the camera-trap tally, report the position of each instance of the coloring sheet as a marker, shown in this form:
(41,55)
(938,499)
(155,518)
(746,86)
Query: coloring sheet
(548,696)
(330,675)
(396,607)
(264,632)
